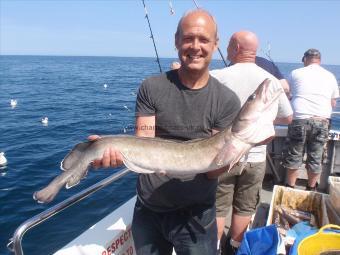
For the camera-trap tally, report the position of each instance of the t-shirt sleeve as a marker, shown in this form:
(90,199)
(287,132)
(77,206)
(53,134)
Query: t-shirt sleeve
(269,66)
(228,108)
(335,93)
(276,72)
(144,103)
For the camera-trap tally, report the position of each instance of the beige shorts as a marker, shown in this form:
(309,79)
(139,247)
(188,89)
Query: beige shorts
(240,191)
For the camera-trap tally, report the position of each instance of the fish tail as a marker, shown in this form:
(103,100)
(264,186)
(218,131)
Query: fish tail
(46,194)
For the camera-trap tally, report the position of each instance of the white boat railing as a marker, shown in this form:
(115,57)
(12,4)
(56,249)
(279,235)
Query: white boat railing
(15,242)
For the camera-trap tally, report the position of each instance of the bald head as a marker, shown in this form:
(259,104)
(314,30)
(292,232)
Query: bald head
(198,15)
(242,47)
(196,40)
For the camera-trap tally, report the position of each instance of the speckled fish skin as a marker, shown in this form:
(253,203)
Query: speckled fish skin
(176,159)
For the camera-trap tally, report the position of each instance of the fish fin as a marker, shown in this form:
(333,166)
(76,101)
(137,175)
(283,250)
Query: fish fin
(229,155)
(225,156)
(74,180)
(133,167)
(74,156)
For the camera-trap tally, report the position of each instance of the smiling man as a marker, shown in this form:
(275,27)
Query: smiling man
(182,104)
(196,40)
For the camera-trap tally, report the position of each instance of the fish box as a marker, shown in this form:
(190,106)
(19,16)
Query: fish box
(334,192)
(307,201)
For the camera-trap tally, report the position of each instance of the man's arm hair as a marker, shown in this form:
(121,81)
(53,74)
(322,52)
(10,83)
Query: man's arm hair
(145,126)
(285,86)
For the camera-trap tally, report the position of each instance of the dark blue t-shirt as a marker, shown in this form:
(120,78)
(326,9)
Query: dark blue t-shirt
(269,66)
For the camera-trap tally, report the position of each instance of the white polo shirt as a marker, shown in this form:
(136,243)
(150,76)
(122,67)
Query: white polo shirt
(312,88)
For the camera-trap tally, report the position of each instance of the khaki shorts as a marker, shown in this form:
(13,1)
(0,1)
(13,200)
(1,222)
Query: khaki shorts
(240,191)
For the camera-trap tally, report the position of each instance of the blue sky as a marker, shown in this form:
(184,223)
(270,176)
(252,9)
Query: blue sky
(118,28)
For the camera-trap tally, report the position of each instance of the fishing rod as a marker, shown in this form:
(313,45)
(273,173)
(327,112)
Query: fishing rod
(218,48)
(152,37)
(268,55)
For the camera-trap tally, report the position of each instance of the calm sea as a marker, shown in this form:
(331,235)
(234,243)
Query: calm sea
(70,91)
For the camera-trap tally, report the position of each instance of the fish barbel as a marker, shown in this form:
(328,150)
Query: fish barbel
(253,124)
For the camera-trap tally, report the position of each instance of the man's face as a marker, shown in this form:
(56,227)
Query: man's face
(196,42)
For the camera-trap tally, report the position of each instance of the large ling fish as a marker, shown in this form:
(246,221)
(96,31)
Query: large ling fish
(253,124)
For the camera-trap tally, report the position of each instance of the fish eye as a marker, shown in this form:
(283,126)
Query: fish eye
(252,97)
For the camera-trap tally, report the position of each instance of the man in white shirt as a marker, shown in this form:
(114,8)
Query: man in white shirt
(243,190)
(314,91)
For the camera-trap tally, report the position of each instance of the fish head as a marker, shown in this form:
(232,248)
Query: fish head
(254,123)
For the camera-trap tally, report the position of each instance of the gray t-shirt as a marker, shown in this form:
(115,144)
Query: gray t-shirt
(182,114)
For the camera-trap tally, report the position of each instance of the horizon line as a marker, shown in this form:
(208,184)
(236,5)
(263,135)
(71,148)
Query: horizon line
(113,56)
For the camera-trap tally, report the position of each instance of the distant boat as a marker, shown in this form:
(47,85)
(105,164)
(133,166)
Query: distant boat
(44,120)
(3,160)
(14,103)
(105,86)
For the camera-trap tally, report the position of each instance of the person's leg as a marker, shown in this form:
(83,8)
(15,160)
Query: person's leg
(292,175)
(315,147)
(239,224)
(312,180)
(194,233)
(246,198)
(220,221)
(224,199)
(296,143)
(147,232)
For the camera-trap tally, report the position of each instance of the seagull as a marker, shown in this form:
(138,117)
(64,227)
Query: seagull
(44,120)
(127,108)
(14,103)
(3,160)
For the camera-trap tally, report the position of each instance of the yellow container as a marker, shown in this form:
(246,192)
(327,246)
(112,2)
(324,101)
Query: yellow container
(321,242)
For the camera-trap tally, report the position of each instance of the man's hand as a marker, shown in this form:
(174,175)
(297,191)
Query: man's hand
(111,157)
